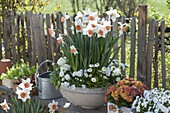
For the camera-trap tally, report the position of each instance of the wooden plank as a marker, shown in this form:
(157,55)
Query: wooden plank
(156,57)
(18,38)
(24,51)
(150,52)
(49,50)
(7,37)
(61,30)
(42,44)
(123,51)
(12,23)
(115,35)
(1,39)
(29,35)
(34,35)
(163,54)
(53,42)
(142,23)
(133,47)
(5,31)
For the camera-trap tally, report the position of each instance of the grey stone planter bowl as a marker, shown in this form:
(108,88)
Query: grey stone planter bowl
(86,98)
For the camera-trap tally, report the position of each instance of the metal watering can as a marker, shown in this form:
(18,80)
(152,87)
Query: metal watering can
(46,90)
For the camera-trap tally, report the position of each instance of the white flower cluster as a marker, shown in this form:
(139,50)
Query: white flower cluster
(154,101)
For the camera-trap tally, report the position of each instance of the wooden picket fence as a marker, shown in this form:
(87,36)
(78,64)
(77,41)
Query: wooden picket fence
(25,36)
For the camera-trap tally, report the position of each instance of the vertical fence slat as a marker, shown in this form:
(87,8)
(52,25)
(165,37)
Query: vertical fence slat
(53,42)
(133,47)
(24,51)
(150,52)
(29,36)
(1,39)
(14,59)
(163,54)
(123,51)
(155,61)
(141,64)
(33,29)
(115,35)
(49,50)
(61,30)
(18,37)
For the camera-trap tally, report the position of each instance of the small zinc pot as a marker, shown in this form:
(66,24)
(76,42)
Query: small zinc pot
(112,108)
(3,65)
(46,89)
(86,98)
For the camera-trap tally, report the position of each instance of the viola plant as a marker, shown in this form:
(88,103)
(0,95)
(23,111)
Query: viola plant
(124,93)
(87,52)
(153,101)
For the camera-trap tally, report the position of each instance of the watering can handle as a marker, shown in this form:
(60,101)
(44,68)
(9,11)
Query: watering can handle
(37,74)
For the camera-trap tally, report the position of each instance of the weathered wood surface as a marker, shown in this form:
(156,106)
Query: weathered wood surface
(133,47)
(141,65)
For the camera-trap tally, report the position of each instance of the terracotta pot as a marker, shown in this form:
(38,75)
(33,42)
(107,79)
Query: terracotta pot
(3,65)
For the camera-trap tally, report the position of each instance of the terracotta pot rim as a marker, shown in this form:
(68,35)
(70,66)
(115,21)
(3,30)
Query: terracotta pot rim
(5,60)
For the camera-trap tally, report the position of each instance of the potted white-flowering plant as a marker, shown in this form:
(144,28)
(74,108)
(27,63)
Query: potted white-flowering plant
(86,65)
(154,101)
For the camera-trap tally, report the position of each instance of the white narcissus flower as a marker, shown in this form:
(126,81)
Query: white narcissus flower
(65,17)
(73,50)
(23,94)
(53,106)
(101,31)
(87,12)
(92,16)
(26,84)
(60,40)
(5,106)
(122,28)
(78,16)
(112,14)
(88,31)
(61,61)
(79,25)
(107,25)
(51,32)
(93,79)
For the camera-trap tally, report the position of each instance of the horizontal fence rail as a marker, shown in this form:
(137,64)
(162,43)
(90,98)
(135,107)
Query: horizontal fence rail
(25,36)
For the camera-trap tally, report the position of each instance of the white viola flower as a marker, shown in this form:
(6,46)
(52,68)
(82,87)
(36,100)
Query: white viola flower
(62,79)
(83,86)
(105,77)
(73,86)
(93,79)
(79,25)
(26,84)
(96,65)
(65,67)
(117,79)
(74,73)
(78,16)
(91,65)
(53,106)
(61,74)
(122,28)
(123,66)
(108,71)
(101,31)
(60,40)
(23,94)
(92,16)
(90,75)
(66,84)
(51,32)
(89,70)
(86,75)
(107,25)
(112,68)
(117,71)
(67,77)
(66,105)
(80,73)
(112,14)
(61,61)
(4,105)
(73,50)
(103,69)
